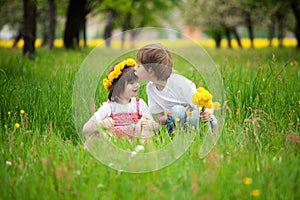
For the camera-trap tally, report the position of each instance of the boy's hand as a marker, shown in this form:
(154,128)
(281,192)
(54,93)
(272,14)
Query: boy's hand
(188,107)
(206,115)
(168,113)
(108,123)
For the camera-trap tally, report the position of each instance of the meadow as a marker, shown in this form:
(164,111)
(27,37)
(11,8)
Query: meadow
(256,157)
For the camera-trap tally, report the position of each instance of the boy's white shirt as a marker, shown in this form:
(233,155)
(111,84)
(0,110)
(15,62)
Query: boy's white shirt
(105,110)
(178,90)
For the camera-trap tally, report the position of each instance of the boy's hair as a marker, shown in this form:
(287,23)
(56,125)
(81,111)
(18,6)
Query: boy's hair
(118,85)
(158,58)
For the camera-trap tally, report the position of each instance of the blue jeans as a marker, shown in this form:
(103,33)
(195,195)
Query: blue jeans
(179,113)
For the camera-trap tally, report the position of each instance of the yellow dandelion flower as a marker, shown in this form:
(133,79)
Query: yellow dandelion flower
(8,112)
(202,89)
(208,104)
(248,181)
(202,98)
(177,119)
(22,112)
(255,192)
(293,63)
(17,125)
(107,82)
(111,76)
(217,105)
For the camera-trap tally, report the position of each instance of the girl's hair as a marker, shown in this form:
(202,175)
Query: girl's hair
(158,58)
(118,85)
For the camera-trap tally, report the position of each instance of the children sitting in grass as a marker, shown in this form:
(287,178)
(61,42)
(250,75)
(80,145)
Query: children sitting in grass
(123,115)
(169,94)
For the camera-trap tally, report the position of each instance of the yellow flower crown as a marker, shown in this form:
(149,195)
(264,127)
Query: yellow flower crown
(107,82)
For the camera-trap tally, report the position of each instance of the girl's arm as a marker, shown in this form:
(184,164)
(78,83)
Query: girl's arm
(99,118)
(92,126)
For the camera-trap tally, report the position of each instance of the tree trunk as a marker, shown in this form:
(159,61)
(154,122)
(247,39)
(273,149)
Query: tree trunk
(17,38)
(44,35)
(125,27)
(29,27)
(296,10)
(52,23)
(127,23)
(227,33)
(250,28)
(217,36)
(75,19)
(218,41)
(237,37)
(44,23)
(280,20)
(83,27)
(133,35)
(271,30)
(109,27)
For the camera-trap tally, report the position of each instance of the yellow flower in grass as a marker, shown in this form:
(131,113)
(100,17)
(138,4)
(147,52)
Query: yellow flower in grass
(217,105)
(17,125)
(248,181)
(8,112)
(255,192)
(293,63)
(22,112)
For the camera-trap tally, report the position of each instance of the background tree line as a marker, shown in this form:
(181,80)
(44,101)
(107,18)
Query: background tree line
(217,18)
(220,18)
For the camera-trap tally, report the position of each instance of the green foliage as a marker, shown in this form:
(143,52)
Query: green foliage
(11,13)
(142,13)
(44,159)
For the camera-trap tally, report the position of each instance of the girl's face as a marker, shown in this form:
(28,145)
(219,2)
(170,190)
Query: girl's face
(130,90)
(141,72)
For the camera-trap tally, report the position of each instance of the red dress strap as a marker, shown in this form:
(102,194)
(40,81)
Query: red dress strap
(138,107)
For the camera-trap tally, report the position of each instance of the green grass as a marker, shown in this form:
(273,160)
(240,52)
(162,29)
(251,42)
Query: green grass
(44,158)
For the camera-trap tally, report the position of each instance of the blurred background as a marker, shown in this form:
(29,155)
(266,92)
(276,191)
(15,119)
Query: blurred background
(216,23)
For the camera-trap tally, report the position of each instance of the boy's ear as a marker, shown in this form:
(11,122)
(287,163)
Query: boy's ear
(150,70)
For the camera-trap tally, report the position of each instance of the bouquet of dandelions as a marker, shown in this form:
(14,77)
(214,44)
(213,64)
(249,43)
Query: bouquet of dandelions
(203,99)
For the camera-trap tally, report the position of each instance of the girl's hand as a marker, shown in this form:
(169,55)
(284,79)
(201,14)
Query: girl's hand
(147,123)
(206,115)
(107,123)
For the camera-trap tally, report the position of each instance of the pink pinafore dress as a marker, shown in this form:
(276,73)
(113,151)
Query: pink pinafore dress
(125,122)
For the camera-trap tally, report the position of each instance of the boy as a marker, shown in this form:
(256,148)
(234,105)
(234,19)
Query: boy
(168,91)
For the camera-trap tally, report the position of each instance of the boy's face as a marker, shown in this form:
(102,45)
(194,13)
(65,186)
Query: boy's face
(141,72)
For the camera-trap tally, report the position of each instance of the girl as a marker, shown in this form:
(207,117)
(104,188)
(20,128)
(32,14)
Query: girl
(123,115)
